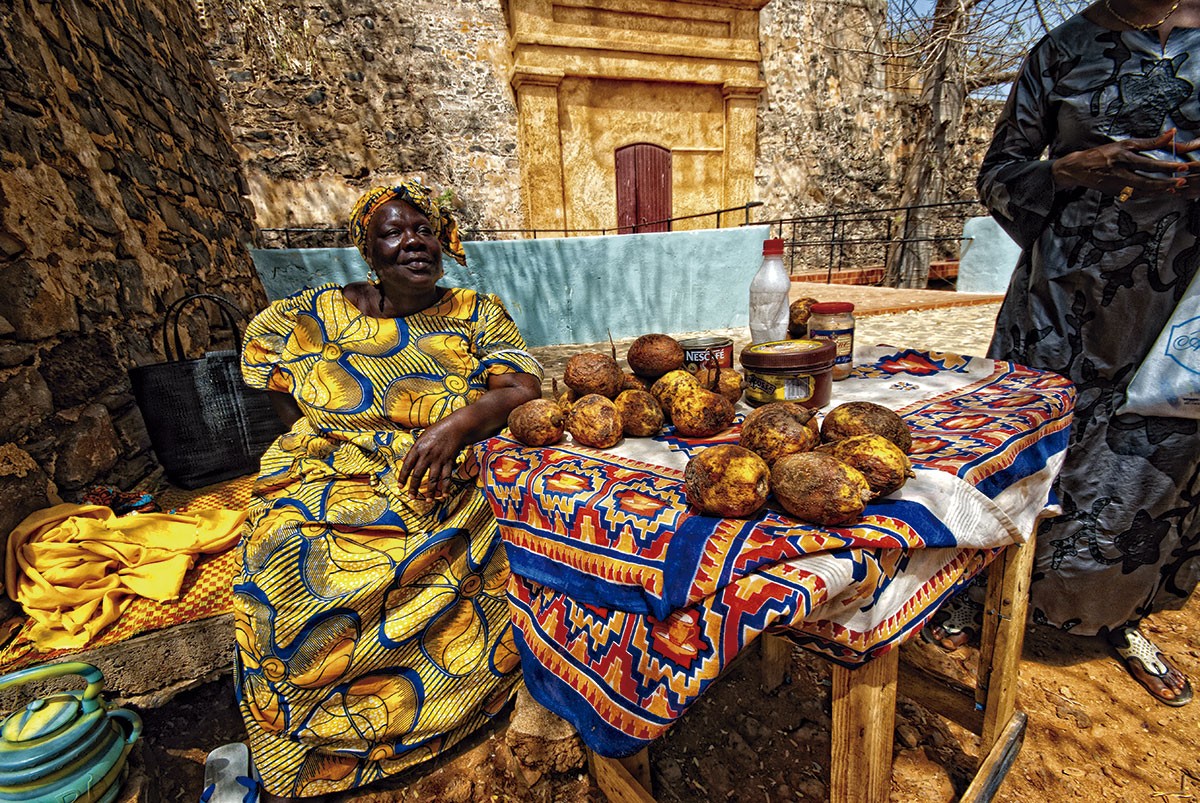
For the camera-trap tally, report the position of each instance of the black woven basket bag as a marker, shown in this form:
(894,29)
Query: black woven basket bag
(205,423)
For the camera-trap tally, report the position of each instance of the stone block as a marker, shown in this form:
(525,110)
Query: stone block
(26,401)
(78,369)
(24,488)
(34,309)
(11,245)
(87,448)
(115,92)
(130,471)
(154,115)
(12,353)
(131,431)
(134,207)
(132,294)
(167,207)
(88,23)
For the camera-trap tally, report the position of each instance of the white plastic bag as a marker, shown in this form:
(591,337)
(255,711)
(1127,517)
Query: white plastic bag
(1168,381)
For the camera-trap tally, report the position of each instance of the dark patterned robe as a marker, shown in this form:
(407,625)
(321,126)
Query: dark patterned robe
(1096,281)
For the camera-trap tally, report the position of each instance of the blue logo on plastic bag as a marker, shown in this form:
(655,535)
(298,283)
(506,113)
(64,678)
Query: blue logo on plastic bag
(1184,345)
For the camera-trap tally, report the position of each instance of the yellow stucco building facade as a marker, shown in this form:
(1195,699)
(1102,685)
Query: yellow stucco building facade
(677,81)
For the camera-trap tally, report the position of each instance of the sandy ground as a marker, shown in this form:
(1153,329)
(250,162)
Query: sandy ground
(1093,734)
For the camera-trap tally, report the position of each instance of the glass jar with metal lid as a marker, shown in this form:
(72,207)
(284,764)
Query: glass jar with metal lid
(834,321)
(789,370)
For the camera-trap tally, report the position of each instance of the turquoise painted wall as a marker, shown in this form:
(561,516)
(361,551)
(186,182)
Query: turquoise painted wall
(988,257)
(577,289)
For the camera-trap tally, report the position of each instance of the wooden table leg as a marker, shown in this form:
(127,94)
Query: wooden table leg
(864,715)
(1003,637)
(622,780)
(776,660)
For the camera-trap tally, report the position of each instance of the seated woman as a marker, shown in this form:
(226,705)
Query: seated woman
(372,626)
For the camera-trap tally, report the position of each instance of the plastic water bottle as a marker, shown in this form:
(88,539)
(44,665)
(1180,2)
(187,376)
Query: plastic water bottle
(769,296)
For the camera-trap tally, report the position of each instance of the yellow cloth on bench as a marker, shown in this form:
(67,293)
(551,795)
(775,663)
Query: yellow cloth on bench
(75,568)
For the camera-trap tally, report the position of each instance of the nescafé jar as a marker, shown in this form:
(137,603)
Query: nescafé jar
(799,371)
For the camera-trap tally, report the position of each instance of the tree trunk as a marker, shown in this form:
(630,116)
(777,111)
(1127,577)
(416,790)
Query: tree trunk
(939,114)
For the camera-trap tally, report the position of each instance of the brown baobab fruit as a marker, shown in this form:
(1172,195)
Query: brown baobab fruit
(651,356)
(594,421)
(819,488)
(864,418)
(640,414)
(593,372)
(778,429)
(538,422)
(727,480)
(883,463)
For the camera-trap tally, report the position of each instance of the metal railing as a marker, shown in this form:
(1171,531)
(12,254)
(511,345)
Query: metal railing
(330,237)
(646,226)
(828,244)
(864,238)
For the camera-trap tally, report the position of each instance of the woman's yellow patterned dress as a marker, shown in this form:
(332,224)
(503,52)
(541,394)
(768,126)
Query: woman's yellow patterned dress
(372,629)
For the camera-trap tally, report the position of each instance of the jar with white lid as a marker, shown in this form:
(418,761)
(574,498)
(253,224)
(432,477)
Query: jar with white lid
(834,321)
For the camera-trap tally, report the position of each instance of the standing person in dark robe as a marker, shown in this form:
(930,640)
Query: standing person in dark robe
(1108,224)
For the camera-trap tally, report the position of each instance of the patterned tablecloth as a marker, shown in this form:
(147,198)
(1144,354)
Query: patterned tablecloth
(627,603)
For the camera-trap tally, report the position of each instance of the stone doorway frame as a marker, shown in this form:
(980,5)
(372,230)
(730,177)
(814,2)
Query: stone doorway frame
(690,45)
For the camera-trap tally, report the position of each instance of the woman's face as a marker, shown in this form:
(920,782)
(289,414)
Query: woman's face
(401,246)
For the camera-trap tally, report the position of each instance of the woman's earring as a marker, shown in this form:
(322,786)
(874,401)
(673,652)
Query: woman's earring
(371,277)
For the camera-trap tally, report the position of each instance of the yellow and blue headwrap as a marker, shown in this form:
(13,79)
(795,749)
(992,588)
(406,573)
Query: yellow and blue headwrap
(445,227)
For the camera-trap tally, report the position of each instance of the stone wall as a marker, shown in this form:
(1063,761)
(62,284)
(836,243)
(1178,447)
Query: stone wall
(120,191)
(833,126)
(327,97)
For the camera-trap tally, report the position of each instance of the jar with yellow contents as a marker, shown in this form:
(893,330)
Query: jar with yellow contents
(788,370)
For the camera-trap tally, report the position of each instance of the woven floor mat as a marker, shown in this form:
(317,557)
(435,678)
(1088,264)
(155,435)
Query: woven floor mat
(207,588)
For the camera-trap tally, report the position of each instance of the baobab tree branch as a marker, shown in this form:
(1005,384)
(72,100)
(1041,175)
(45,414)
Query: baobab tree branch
(981,81)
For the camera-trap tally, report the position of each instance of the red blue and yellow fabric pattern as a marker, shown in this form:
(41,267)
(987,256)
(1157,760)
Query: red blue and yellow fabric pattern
(627,603)
(372,628)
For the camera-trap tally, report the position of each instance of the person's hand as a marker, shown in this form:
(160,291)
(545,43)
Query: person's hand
(1121,169)
(429,464)
(1191,186)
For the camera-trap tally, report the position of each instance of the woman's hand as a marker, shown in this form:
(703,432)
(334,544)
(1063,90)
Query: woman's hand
(1121,169)
(429,464)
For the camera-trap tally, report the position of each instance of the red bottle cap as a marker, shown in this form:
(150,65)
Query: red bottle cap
(773,247)
(831,307)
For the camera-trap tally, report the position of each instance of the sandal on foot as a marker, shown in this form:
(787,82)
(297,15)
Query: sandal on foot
(960,621)
(229,776)
(1152,661)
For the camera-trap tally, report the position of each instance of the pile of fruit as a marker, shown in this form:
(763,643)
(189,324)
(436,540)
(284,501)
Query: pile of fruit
(823,472)
(602,403)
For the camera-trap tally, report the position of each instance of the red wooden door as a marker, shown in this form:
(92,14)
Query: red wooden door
(643,188)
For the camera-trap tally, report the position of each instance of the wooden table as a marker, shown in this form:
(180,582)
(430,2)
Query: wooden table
(864,704)
(627,604)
